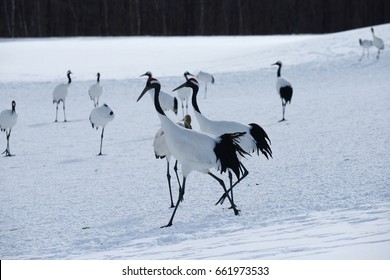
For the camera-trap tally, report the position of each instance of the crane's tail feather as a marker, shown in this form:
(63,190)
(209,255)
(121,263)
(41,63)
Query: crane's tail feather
(227,151)
(262,140)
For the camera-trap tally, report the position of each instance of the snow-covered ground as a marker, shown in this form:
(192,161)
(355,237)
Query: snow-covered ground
(324,195)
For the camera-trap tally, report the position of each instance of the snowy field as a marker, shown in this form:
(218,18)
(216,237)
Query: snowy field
(324,195)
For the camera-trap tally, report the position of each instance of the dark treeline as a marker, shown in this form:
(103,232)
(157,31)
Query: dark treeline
(45,18)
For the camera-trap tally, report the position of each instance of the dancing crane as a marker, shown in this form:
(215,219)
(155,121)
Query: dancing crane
(255,138)
(197,151)
(161,151)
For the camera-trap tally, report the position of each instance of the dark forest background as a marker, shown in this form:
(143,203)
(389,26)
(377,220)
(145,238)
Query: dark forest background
(45,18)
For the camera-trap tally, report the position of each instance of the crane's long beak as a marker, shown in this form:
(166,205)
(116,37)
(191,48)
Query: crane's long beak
(273,64)
(143,92)
(143,75)
(179,87)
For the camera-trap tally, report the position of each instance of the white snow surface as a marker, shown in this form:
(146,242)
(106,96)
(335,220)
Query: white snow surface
(324,195)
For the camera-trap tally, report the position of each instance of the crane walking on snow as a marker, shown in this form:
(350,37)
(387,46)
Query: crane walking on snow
(197,151)
(8,120)
(284,88)
(101,116)
(60,93)
(255,138)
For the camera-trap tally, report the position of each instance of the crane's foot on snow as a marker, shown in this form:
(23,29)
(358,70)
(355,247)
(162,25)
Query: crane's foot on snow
(167,225)
(7,153)
(282,120)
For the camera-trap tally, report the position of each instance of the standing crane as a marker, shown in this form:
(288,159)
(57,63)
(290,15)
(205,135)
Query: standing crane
(366,45)
(95,91)
(60,93)
(377,42)
(184,94)
(205,78)
(101,116)
(283,88)
(197,151)
(8,120)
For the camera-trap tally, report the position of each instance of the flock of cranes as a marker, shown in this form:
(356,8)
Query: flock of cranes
(220,145)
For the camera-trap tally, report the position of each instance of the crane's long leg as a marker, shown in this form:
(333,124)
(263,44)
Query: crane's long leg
(169,185)
(101,142)
(361,56)
(56,112)
(7,151)
(220,181)
(284,109)
(245,173)
(63,107)
(186,107)
(180,198)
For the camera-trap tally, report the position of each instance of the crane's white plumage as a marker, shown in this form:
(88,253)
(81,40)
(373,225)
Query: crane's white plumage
(167,101)
(184,94)
(161,150)
(205,78)
(196,151)
(283,88)
(95,91)
(377,42)
(60,93)
(8,119)
(101,116)
(366,45)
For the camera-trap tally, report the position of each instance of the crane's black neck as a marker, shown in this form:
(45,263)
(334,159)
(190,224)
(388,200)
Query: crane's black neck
(98,77)
(157,105)
(280,67)
(69,79)
(195,90)
(13,106)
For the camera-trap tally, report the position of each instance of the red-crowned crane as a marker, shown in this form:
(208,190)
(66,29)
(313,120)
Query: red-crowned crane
(377,42)
(101,116)
(205,78)
(8,120)
(197,151)
(366,45)
(184,94)
(95,91)
(283,88)
(167,101)
(161,151)
(255,138)
(59,94)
